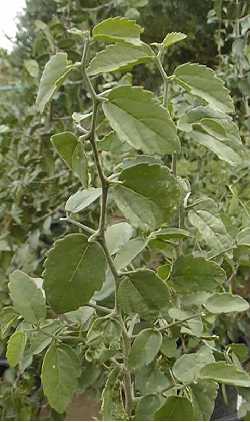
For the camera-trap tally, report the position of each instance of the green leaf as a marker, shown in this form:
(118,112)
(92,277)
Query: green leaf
(8,317)
(225,302)
(119,57)
(54,71)
(173,38)
(187,368)
(118,30)
(211,230)
(243,237)
(146,407)
(60,373)
(143,292)
(80,164)
(191,274)
(202,81)
(28,299)
(129,252)
(204,394)
(15,348)
(118,235)
(149,195)
(144,348)
(112,406)
(170,233)
(151,379)
(32,68)
(140,120)
(74,270)
(176,408)
(226,374)
(82,199)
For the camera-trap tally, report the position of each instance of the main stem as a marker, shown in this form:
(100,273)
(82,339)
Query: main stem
(99,235)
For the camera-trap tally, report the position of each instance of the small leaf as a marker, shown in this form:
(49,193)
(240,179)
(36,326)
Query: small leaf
(243,237)
(176,408)
(149,195)
(74,270)
(118,235)
(129,252)
(140,120)
(202,81)
(112,406)
(144,348)
(226,374)
(15,348)
(225,302)
(55,70)
(143,292)
(82,199)
(196,274)
(173,38)
(28,299)
(118,30)
(119,57)
(80,164)
(32,68)
(169,233)
(204,394)
(60,373)
(211,230)
(187,368)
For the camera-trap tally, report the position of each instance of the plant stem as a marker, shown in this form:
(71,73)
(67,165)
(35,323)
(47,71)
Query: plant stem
(86,229)
(174,324)
(99,235)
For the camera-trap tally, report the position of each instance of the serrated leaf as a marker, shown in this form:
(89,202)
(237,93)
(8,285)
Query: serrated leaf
(204,394)
(191,274)
(173,38)
(176,408)
(225,302)
(144,348)
(187,367)
(54,70)
(119,57)
(118,30)
(225,373)
(211,230)
(15,348)
(129,252)
(74,270)
(149,195)
(28,299)
(143,292)
(202,81)
(82,199)
(118,235)
(60,373)
(140,120)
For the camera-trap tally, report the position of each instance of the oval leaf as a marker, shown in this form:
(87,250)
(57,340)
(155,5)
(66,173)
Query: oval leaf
(176,408)
(74,270)
(144,348)
(225,373)
(15,348)
(60,372)
(82,199)
(173,38)
(225,302)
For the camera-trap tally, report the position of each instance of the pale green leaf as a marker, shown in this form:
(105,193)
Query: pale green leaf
(143,292)
(117,236)
(170,233)
(202,81)
(196,274)
(54,70)
(243,237)
(151,379)
(220,303)
(129,252)
(15,348)
(112,407)
(28,300)
(82,199)
(173,38)
(60,372)
(211,230)
(144,348)
(187,368)
(32,68)
(225,373)
(119,57)
(74,270)
(80,164)
(176,408)
(140,120)
(118,30)
(149,195)
(204,394)
(147,406)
